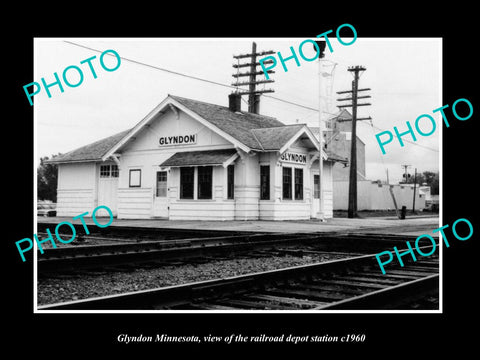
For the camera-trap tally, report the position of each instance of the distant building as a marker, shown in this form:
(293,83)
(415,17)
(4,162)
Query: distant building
(338,138)
(425,190)
(431,201)
(372,195)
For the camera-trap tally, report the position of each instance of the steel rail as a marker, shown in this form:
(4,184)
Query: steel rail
(85,257)
(152,232)
(136,246)
(183,296)
(391,297)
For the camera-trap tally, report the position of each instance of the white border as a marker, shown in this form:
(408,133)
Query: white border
(35,299)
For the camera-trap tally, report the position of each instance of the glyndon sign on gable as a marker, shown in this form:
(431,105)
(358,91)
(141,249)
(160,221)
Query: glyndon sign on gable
(177,140)
(294,158)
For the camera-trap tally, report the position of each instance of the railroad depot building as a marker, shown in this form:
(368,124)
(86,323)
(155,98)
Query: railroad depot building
(191,160)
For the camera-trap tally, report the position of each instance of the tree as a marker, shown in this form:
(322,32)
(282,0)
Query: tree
(47,180)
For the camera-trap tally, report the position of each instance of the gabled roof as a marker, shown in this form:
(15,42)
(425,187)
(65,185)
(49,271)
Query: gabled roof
(233,126)
(237,124)
(343,114)
(245,130)
(274,138)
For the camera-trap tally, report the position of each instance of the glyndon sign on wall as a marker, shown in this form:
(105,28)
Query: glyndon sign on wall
(177,140)
(294,158)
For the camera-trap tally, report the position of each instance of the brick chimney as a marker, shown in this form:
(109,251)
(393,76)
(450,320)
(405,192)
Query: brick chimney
(234,102)
(256,106)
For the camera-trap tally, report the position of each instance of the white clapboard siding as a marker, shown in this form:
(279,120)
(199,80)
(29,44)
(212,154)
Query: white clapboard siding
(134,203)
(328,204)
(202,210)
(74,202)
(246,202)
(285,210)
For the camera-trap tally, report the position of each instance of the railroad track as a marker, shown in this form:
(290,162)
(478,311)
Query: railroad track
(148,253)
(154,253)
(134,231)
(355,283)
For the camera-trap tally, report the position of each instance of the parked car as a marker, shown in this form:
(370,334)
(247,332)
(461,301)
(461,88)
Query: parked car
(46,209)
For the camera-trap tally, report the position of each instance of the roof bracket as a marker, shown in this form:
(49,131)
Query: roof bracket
(116,159)
(243,155)
(312,160)
(230,160)
(174,109)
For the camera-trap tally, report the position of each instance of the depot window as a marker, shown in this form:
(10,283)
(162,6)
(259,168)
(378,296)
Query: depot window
(230,181)
(161,184)
(135,178)
(264,182)
(186,182)
(298,184)
(108,171)
(287,183)
(205,182)
(316,186)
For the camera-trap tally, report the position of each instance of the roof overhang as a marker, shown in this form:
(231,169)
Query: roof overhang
(52,161)
(304,130)
(222,157)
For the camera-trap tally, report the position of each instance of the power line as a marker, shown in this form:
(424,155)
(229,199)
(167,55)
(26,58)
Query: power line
(224,85)
(153,66)
(408,141)
(188,76)
(290,102)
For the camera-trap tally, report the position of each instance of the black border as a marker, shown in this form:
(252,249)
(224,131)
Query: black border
(387,334)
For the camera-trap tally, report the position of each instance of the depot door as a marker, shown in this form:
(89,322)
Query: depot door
(160,197)
(107,189)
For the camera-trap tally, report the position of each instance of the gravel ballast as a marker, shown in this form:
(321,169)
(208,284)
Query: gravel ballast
(75,287)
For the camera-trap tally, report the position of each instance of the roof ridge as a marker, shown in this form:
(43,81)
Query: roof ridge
(255,136)
(280,126)
(223,106)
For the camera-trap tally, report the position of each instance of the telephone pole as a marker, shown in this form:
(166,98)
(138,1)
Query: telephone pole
(252,92)
(320,47)
(406,175)
(414,187)
(352,188)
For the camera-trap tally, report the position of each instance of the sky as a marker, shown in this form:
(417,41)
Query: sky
(404,75)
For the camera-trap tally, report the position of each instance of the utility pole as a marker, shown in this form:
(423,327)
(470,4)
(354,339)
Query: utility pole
(252,92)
(352,188)
(414,186)
(393,196)
(320,47)
(321,200)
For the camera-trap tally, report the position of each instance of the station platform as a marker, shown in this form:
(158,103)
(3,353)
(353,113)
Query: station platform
(415,225)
